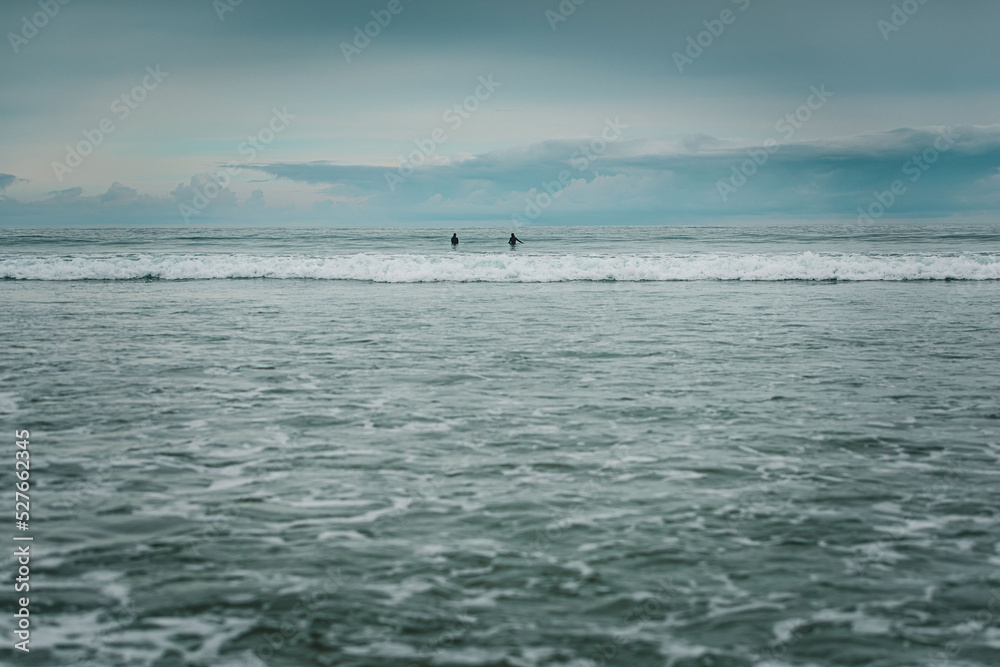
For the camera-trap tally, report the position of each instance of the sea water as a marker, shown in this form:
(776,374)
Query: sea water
(611,446)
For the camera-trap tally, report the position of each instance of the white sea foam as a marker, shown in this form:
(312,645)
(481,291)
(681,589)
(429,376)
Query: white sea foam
(407,268)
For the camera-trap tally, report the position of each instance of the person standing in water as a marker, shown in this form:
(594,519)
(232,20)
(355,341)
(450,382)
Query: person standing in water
(514,241)
(454,239)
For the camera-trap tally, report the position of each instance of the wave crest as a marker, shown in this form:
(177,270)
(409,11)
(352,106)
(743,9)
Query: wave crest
(405,268)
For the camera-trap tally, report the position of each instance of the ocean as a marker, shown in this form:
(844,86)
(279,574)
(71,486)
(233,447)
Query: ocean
(675,446)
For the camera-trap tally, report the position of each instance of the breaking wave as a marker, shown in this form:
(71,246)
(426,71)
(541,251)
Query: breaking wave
(513,268)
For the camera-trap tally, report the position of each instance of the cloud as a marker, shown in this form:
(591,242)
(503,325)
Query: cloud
(61,196)
(696,176)
(7,180)
(945,172)
(256,198)
(204,187)
(943,66)
(119,193)
(123,205)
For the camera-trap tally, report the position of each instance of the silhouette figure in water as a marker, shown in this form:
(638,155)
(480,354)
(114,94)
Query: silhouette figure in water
(454,239)
(514,241)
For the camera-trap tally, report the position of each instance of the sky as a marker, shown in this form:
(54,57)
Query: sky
(498,112)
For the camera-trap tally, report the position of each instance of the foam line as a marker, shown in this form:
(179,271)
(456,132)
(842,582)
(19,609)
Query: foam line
(508,267)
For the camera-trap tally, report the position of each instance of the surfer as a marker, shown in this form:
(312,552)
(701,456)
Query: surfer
(454,239)
(514,241)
